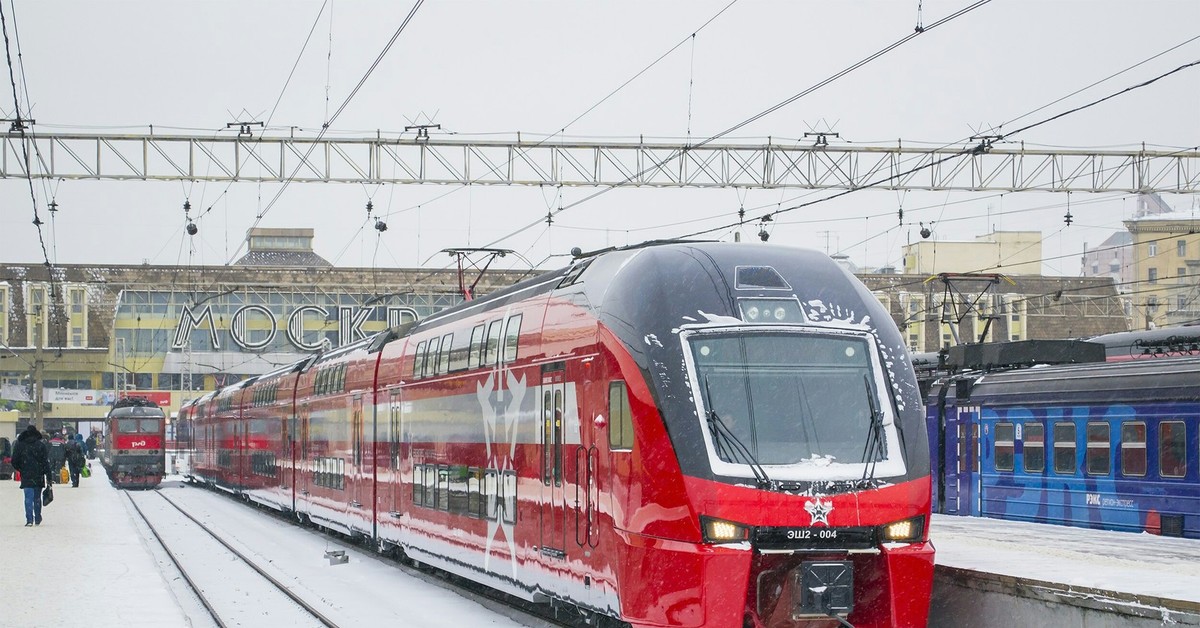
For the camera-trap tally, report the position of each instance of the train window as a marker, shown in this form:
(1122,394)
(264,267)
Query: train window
(960,448)
(493,344)
(547,435)
(1098,458)
(512,333)
(1133,448)
(476,350)
(1005,448)
(620,419)
(510,496)
(458,499)
(418,484)
(491,502)
(1034,446)
(443,487)
(430,481)
(444,353)
(558,437)
(474,496)
(431,356)
(975,448)
(419,361)
(1172,452)
(341,382)
(1064,448)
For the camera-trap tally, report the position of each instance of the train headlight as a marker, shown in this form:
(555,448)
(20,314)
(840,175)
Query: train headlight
(906,531)
(721,531)
(770,311)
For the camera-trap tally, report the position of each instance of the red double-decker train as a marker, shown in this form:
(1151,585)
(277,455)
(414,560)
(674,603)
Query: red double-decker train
(134,441)
(679,434)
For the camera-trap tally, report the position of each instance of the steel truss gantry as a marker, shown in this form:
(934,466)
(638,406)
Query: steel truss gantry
(1002,167)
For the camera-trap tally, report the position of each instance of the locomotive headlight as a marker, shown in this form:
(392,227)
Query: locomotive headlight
(752,313)
(906,531)
(770,310)
(721,531)
(780,313)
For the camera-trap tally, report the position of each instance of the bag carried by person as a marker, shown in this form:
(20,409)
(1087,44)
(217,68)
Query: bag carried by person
(63,475)
(86,471)
(17,475)
(47,496)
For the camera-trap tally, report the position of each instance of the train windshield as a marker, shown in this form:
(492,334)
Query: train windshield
(138,426)
(802,406)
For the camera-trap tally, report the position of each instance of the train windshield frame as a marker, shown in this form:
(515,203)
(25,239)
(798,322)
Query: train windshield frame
(804,404)
(131,425)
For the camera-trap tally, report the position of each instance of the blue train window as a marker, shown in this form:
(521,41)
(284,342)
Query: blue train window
(1133,448)
(1064,448)
(1035,447)
(1005,446)
(1097,461)
(1172,454)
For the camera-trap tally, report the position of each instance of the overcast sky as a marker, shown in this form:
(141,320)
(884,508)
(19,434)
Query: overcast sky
(491,69)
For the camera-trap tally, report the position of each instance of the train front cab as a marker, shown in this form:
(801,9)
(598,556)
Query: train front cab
(137,440)
(722,552)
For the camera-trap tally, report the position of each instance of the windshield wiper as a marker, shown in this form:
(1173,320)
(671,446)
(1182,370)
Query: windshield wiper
(723,436)
(873,449)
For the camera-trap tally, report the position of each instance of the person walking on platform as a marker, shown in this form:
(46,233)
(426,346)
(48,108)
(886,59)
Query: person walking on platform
(90,445)
(75,459)
(31,457)
(58,452)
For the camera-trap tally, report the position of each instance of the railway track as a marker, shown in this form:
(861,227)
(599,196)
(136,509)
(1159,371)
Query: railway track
(231,586)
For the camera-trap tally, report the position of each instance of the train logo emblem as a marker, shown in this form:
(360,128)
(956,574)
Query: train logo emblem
(819,511)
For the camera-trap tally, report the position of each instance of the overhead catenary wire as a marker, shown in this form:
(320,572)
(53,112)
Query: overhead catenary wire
(338,112)
(761,114)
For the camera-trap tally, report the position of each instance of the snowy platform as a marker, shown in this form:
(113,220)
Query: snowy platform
(87,564)
(1128,579)
(93,563)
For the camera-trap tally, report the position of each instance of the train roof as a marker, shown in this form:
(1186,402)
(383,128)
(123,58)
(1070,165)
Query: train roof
(1138,380)
(1163,341)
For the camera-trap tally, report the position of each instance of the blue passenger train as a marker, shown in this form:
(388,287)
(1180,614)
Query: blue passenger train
(1109,445)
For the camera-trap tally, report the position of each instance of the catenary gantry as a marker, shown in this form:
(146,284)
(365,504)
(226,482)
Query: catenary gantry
(771,164)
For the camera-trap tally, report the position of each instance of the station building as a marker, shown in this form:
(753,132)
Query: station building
(172,332)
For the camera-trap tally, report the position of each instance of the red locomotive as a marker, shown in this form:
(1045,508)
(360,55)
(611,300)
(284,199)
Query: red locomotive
(134,441)
(684,434)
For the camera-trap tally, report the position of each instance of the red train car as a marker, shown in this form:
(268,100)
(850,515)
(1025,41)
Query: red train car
(135,438)
(688,434)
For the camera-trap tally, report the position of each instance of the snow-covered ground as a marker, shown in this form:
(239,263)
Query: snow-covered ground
(91,563)
(1122,562)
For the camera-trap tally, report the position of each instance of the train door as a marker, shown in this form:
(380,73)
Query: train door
(395,488)
(303,464)
(961,452)
(553,524)
(360,489)
(584,488)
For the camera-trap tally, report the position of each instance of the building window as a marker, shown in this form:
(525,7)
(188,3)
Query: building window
(1153,249)
(1181,273)
(1181,303)
(1181,248)
(1152,275)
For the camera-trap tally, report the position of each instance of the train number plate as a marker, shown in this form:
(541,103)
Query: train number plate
(813,538)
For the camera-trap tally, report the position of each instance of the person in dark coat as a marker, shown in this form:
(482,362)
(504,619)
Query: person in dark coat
(90,446)
(31,457)
(58,451)
(75,459)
